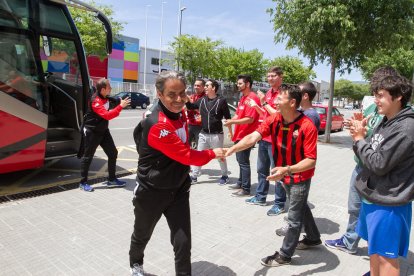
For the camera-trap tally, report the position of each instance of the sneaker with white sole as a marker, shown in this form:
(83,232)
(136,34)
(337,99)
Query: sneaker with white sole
(275,260)
(137,270)
(306,243)
(255,201)
(339,244)
(224,179)
(85,187)
(115,183)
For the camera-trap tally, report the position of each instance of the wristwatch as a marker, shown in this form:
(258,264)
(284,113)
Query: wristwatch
(289,170)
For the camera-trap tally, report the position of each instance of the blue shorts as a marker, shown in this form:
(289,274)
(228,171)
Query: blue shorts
(385,228)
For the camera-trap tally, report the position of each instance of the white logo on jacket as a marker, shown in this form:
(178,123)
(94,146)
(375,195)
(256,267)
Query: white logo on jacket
(376,140)
(163,133)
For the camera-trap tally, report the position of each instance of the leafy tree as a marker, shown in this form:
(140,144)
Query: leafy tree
(350,90)
(341,32)
(294,71)
(233,62)
(196,56)
(91,30)
(399,58)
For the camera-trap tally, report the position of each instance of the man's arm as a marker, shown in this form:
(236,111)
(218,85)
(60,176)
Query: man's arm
(278,173)
(245,143)
(245,120)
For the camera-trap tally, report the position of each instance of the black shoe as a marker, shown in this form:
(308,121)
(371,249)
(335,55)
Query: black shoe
(241,193)
(275,260)
(305,243)
(234,187)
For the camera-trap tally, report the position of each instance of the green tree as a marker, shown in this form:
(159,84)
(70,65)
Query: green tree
(399,58)
(294,71)
(341,32)
(196,56)
(232,62)
(349,90)
(92,31)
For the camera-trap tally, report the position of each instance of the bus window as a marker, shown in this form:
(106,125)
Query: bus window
(52,18)
(63,61)
(18,72)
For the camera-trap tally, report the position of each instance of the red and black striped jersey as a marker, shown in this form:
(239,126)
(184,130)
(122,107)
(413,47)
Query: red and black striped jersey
(291,143)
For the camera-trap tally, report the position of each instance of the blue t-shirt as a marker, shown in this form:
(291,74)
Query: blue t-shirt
(312,114)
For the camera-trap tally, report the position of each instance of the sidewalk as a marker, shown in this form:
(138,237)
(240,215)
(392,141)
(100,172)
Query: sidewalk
(79,233)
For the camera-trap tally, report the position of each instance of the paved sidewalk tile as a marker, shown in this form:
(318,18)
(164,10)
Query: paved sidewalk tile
(78,233)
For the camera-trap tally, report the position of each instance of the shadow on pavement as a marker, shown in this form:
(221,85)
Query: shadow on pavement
(318,255)
(207,268)
(326,226)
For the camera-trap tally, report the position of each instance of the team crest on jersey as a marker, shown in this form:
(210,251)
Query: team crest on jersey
(163,133)
(295,134)
(376,140)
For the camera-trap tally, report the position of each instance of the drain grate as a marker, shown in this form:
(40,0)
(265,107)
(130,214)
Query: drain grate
(52,190)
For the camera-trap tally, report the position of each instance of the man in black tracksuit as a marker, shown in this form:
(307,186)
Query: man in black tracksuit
(213,108)
(95,132)
(163,182)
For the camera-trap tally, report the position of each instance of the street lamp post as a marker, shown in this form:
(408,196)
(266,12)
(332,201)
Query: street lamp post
(162,16)
(179,34)
(145,50)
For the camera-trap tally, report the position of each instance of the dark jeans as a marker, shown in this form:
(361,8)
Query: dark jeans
(298,214)
(280,195)
(149,205)
(91,141)
(264,164)
(243,158)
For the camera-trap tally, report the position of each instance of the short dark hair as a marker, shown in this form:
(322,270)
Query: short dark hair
(101,84)
(396,86)
(202,81)
(379,74)
(166,75)
(215,85)
(293,92)
(275,69)
(308,88)
(246,78)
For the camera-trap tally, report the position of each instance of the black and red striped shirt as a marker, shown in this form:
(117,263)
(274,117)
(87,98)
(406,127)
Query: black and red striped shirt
(291,143)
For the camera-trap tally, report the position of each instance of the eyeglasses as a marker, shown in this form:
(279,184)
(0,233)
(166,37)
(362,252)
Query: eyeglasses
(272,76)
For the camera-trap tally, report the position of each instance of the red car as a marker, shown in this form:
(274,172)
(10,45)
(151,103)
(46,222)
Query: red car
(337,118)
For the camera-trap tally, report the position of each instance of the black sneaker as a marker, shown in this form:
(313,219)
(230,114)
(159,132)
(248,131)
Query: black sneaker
(275,260)
(306,243)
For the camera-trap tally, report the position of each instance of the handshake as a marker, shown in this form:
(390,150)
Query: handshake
(222,153)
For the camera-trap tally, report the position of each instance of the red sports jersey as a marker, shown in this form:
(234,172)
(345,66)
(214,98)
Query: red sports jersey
(291,143)
(244,110)
(270,98)
(194,117)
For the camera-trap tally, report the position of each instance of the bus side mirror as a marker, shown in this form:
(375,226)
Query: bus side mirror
(108,31)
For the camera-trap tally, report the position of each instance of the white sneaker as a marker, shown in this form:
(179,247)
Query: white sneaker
(137,270)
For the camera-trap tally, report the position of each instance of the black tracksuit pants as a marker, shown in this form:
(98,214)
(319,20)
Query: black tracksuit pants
(91,141)
(149,205)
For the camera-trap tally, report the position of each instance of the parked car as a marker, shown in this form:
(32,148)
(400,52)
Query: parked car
(137,99)
(337,118)
(349,106)
(227,141)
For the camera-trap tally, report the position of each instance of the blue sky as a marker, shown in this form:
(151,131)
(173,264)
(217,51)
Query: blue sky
(239,23)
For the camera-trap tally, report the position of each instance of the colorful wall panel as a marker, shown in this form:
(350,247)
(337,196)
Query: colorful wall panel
(123,63)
